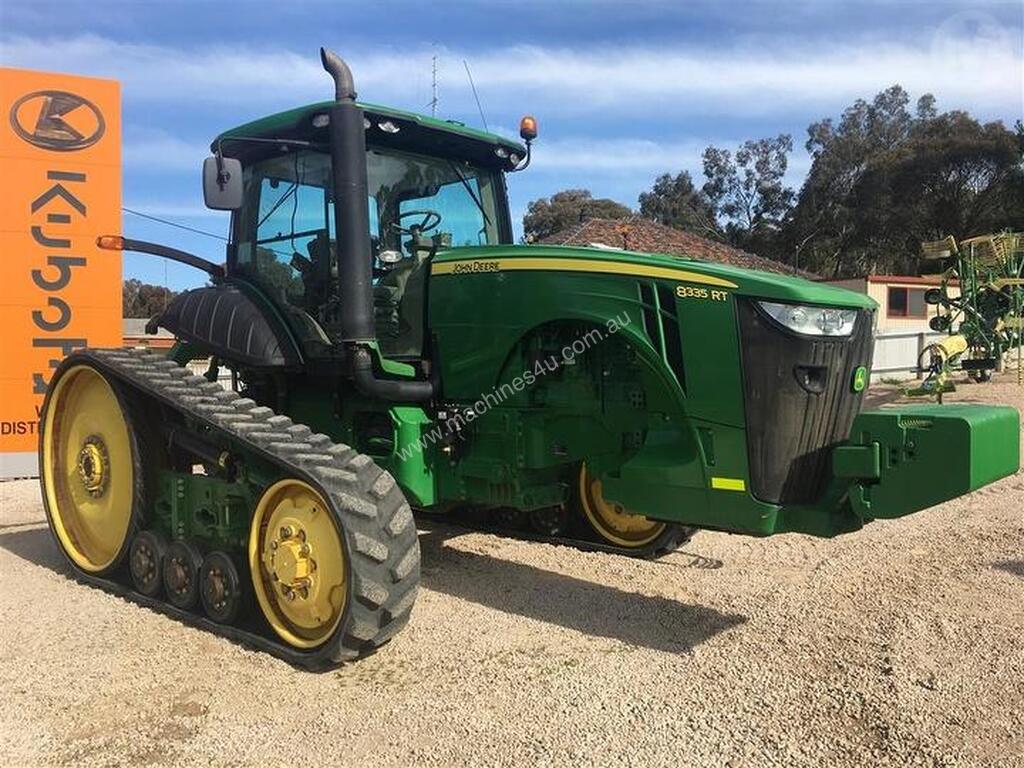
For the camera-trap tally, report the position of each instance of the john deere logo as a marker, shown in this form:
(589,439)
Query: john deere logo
(860,379)
(57,120)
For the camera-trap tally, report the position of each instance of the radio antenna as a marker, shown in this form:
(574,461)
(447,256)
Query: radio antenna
(475,96)
(433,86)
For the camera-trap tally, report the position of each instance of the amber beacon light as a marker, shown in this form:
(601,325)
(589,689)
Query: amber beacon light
(528,128)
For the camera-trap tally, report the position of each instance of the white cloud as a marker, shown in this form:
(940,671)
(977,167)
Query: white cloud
(176,209)
(616,155)
(638,158)
(976,66)
(162,152)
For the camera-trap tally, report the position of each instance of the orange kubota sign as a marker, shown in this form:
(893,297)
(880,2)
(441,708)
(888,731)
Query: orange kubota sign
(60,155)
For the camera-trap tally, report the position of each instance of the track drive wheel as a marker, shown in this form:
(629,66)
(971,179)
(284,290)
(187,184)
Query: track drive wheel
(608,523)
(146,562)
(181,574)
(339,578)
(91,475)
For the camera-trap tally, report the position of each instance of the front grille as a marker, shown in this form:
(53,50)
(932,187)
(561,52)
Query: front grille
(799,402)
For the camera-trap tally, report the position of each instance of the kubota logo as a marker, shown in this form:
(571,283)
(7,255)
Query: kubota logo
(57,120)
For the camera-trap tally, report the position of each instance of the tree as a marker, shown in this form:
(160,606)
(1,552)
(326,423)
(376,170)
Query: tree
(953,176)
(675,202)
(746,190)
(139,299)
(563,209)
(884,178)
(822,226)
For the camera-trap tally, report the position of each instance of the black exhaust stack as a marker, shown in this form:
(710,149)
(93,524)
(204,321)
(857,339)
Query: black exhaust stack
(352,234)
(351,209)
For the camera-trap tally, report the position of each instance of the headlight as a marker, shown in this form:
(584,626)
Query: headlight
(812,321)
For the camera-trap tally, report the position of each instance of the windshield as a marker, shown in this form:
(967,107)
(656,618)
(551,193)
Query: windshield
(464,197)
(285,234)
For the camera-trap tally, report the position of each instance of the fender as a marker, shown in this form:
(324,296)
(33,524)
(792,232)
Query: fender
(229,324)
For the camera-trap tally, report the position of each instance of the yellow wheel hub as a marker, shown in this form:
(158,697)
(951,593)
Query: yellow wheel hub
(87,469)
(94,465)
(610,520)
(298,564)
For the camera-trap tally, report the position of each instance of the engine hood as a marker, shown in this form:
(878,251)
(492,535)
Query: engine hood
(747,282)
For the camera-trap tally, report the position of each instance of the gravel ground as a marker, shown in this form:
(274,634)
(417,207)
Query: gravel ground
(899,645)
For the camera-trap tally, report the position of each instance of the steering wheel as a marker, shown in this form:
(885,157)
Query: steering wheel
(430,221)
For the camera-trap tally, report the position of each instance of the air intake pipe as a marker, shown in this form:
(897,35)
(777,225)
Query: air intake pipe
(352,234)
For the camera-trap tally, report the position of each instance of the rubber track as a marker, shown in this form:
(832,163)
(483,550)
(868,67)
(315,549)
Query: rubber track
(372,512)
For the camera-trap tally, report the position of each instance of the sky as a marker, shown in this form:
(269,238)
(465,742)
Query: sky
(623,90)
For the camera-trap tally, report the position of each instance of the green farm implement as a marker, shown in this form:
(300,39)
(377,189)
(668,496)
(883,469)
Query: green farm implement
(390,349)
(980,303)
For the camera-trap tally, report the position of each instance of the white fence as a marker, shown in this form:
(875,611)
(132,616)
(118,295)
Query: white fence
(897,352)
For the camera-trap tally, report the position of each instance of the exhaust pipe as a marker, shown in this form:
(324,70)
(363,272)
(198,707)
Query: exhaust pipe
(352,234)
(351,209)
(344,85)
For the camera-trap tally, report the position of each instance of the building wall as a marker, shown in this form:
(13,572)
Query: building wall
(879,291)
(159,343)
(858,284)
(887,321)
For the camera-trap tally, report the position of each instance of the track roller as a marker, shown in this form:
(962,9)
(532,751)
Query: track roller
(146,562)
(221,589)
(181,574)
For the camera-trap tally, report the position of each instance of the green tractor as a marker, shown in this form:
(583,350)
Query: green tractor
(389,348)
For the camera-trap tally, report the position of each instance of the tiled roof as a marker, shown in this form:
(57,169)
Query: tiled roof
(639,234)
(909,279)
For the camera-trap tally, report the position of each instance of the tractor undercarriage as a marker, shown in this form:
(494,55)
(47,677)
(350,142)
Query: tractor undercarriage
(321,601)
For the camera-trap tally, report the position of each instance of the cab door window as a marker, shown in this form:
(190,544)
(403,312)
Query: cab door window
(288,218)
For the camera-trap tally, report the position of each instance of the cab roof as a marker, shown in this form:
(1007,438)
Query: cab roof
(448,137)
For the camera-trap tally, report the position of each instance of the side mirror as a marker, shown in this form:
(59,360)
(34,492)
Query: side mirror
(222,187)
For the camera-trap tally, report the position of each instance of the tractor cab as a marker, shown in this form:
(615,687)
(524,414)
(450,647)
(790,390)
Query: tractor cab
(432,185)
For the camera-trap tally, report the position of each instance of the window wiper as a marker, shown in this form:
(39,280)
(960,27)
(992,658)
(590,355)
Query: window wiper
(469,189)
(280,201)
